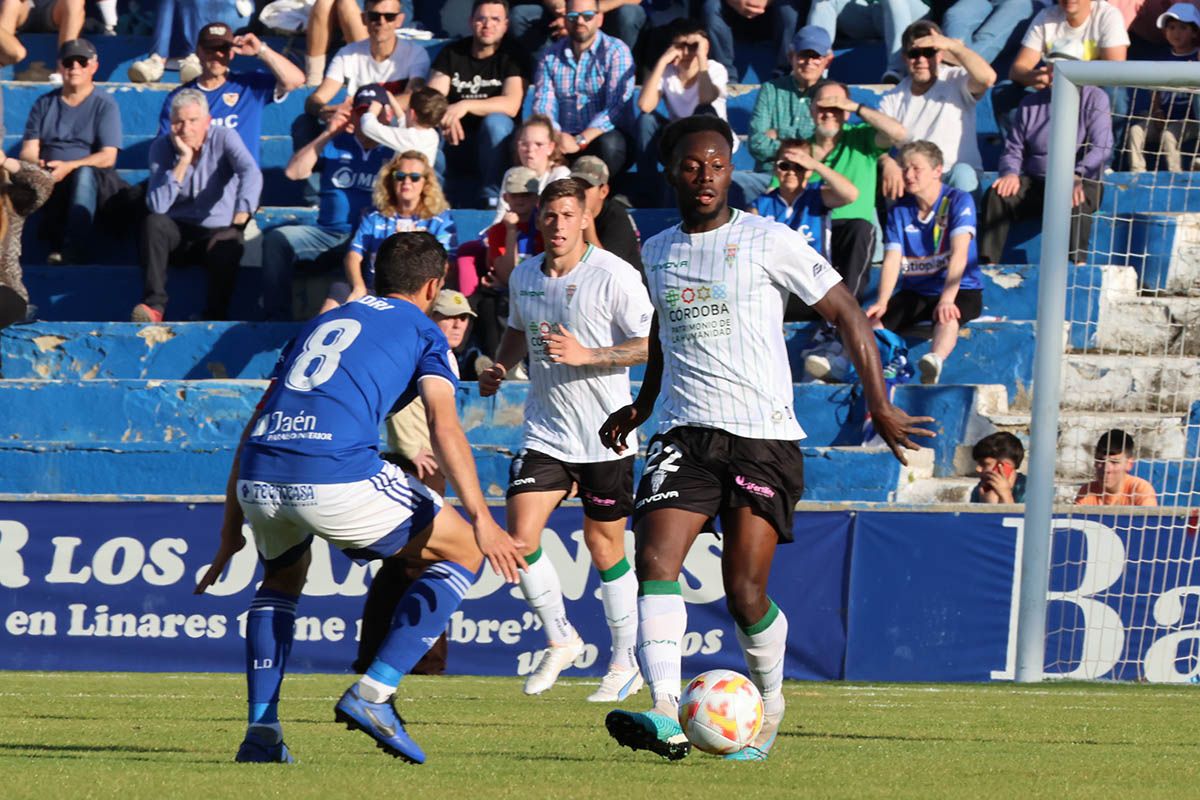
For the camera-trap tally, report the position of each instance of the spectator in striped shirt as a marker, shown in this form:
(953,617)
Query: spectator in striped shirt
(584,84)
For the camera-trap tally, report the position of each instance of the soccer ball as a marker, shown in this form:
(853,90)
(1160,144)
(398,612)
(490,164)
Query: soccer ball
(720,711)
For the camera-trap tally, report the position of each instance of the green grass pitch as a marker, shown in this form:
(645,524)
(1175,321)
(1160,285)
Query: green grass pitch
(78,735)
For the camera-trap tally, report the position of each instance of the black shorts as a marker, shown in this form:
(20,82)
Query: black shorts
(707,471)
(907,308)
(605,487)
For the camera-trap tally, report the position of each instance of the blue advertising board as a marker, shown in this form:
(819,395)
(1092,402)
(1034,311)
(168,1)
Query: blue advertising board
(869,596)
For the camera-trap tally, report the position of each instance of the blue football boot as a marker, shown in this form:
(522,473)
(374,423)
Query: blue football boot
(379,721)
(260,747)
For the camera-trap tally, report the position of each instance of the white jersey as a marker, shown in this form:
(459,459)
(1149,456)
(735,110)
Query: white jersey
(603,303)
(720,297)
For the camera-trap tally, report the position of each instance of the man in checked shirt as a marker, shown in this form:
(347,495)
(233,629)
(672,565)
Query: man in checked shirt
(584,84)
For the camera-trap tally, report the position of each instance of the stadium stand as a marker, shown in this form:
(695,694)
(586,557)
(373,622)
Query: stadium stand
(100,406)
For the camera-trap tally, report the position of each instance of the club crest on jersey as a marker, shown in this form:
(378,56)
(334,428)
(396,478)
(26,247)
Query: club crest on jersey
(731,252)
(230,98)
(571,292)
(656,481)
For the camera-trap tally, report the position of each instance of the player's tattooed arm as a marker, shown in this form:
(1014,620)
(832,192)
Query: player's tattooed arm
(563,348)
(626,354)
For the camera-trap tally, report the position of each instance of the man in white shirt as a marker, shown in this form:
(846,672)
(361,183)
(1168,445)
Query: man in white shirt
(728,441)
(583,317)
(936,103)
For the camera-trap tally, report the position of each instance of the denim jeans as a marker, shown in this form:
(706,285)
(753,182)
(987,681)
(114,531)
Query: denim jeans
(81,206)
(725,26)
(527,23)
(475,167)
(861,19)
(192,15)
(282,249)
(986,25)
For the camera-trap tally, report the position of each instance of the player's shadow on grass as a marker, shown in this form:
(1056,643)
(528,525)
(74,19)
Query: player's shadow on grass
(954,739)
(87,748)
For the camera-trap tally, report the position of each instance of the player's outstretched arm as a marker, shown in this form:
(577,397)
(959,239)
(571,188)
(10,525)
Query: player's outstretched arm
(513,347)
(624,420)
(232,538)
(840,308)
(454,454)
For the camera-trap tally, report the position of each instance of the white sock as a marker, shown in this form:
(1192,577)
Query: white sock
(764,650)
(373,691)
(108,12)
(543,592)
(662,621)
(314,69)
(618,594)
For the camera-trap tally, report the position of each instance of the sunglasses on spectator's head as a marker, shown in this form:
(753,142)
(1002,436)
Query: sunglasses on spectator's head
(401,177)
(75,61)
(588,16)
(921,52)
(783,165)
(385,16)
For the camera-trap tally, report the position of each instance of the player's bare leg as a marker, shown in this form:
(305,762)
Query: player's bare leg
(664,537)
(605,540)
(270,624)
(750,543)
(527,516)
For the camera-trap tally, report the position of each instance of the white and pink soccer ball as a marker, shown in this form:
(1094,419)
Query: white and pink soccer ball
(720,711)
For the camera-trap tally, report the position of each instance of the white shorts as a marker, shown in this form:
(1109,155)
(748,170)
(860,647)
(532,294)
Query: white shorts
(366,520)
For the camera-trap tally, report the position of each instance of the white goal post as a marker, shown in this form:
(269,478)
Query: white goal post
(1055,324)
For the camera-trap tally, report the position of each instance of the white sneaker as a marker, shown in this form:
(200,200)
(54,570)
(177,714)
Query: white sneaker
(189,68)
(554,660)
(827,366)
(930,367)
(616,685)
(148,70)
(55,79)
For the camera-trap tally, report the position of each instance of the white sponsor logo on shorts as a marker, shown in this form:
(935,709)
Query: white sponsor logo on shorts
(524,481)
(654,498)
(287,493)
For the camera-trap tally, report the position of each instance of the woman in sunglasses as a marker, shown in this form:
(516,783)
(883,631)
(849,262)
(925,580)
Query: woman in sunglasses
(408,197)
(689,83)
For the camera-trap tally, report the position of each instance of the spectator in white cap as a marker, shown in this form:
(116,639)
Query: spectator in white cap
(515,237)
(612,227)
(1161,119)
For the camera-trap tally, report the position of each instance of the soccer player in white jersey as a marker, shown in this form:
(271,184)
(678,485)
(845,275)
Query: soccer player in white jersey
(308,464)
(727,446)
(583,317)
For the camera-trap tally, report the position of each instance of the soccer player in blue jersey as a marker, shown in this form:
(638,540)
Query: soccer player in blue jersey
(728,440)
(929,247)
(237,99)
(309,464)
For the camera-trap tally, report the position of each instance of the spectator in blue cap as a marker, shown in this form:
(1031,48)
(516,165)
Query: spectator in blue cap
(730,21)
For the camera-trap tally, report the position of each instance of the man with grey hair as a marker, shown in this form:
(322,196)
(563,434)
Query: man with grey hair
(203,189)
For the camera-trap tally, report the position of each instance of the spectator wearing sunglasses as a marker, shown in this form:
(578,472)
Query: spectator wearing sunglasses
(584,85)
(237,100)
(324,16)
(74,133)
(536,24)
(732,21)
(781,110)
(936,103)
(347,163)
(407,197)
(688,82)
(37,16)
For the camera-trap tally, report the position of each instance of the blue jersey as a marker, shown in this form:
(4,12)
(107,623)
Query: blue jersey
(342,374)
(348,174)
(807,215)
(375,227)
(237,104)
(924,244)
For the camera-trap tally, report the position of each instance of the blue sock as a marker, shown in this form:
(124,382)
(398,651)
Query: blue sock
(421,616)
(270,627)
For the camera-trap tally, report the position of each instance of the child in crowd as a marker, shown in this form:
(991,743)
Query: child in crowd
(997,459)
(929,248)
(537,150)
(802,205)
(515,237)
(408,197)
(1112,484)
(416,128)
(1166,118)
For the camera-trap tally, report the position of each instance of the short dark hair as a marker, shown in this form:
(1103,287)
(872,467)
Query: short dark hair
(407,261)
(999,445)
(684,127)
(683,26)
(475,6)
(792,144)
(429,105)
(563,187)
(922,27)
(1114,442)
